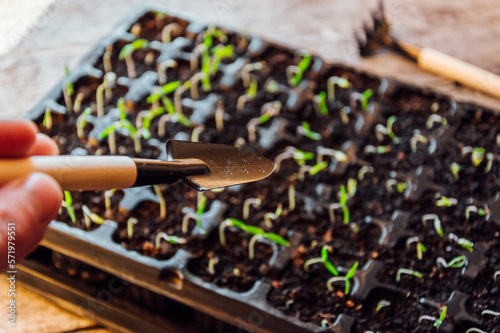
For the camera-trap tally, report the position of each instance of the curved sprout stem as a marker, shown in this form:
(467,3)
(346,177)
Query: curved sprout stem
(163,206)
(162,70)
(211,265)
(193,83)
(78,102)
(130,227)
(381,304)
(185,221)
(408,272)
(335,80)
(200,49)
(291,197)
(364,170)
(47,119)
(106,59)
(91,217)
(270,216)
(475,330)
(437,223)
(246,69)
(490,312)
(169,30)
(251,245)
(336,154)
(254,202)
(170,239)
(177,96)
(195,134)
(310,262)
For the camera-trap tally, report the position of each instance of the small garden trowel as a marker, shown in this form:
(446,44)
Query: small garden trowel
(202,166)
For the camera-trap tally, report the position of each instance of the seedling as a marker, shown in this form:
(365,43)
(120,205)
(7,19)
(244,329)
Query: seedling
(437,321)
(211,265)
(162,70)
(320,103)
(109,132)
(161,200)
(345,278)
(408,272)
(382,304)
(301,157)
(455,169)
(456,262)
(177,96)
(254,202)
(200,49)
(245,72)
(294,73)
(251,92)
(339,155)
(105,86)
(437,223)
(169,30)
(344,195)
(477,155)
(380,131)
(420,247)
(305,130)
(344,114)
(312,170)
(47,119)
(68,204)
(271,86)
(220,52)
(107,199)
(89,217)
(272,109)
(270,216)
(130,227)
(231,222)
(162,91)
(68,90)
(197,77)
(171,239)
(106,59)
(475,330)
(417,137)
(126,54)
(490,312)
(463,242)
(201,205)
(323,259)
(363,171)
(332,82)
(195,134)
(435,118)
(446,202)
(479,211)
(369,149)
(362,98)
(77,106)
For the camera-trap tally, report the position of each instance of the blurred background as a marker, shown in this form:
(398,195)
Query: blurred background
(38,37)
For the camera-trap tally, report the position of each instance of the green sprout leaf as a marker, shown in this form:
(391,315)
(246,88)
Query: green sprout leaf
(302,156)
(365,95)
(321,102)
(69,85)
(252,89)
(131,47)
(163,90)
(317,168)
(305,130)
(442,317)
(68,204)
(327,263)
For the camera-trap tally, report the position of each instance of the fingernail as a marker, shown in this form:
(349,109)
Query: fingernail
(45,195)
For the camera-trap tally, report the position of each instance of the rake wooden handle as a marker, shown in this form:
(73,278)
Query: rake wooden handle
(83,173)
(460,71)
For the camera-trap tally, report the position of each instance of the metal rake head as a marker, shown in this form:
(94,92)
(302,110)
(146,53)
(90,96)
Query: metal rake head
(375,34)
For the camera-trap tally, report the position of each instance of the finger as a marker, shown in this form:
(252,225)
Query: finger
(30,203)
(44,146)
(16,137)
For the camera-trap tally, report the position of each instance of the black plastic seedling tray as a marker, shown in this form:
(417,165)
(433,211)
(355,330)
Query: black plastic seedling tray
(401,169)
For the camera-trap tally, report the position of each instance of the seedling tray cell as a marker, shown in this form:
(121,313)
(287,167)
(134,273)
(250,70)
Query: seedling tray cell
(382,214)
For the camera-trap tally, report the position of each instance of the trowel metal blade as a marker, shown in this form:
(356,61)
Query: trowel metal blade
(228,165)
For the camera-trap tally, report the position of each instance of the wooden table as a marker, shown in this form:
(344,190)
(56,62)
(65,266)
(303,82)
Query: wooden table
(466,29)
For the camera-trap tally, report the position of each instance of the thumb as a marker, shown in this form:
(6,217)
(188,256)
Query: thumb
(29,204)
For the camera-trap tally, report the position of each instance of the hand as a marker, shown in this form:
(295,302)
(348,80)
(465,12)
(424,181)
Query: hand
(32,201)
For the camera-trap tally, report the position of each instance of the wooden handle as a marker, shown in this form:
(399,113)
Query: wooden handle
(75,173)
(460,71)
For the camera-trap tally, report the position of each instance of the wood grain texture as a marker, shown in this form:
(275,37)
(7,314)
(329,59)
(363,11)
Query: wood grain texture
(466,29)
(35,314)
